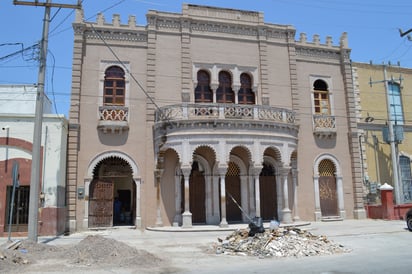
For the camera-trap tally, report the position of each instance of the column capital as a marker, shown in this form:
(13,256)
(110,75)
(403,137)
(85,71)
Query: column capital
(186,169)
(158,172)
(284,170)
(214,86)
(256,170)
(222,169)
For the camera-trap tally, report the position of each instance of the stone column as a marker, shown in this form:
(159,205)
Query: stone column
(138,218)
(214,88)
(295,194)
(257,195)
(286,212)
(236,92)
(187,215)
(158,175)
(222,174)
(256,173)
(339,190)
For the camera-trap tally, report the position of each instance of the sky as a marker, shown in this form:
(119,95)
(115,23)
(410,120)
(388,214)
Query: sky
(372,27)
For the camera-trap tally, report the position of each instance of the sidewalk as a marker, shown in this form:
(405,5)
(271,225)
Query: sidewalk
(205,233)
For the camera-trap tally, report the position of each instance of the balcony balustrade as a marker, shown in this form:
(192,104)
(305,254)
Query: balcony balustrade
(324,126)
(215,112)
(113,119)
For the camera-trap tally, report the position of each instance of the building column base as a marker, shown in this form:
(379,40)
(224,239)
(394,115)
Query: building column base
(359,214)
(223,223)
(138,222)
(186,220)
(286,216)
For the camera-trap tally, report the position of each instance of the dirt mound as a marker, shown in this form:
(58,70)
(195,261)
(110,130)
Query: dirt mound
(95,250)
(92,251)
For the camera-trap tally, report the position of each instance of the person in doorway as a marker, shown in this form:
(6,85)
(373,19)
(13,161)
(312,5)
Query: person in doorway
(117,207)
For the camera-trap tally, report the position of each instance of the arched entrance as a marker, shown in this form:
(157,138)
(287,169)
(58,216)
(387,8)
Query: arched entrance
(328,189)
(267,186)
(112,194)
(197,194)
(232,179)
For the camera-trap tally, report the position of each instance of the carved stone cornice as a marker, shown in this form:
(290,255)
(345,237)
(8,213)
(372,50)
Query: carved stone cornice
(117,35)
(193,25)
(317,52)
(79,28)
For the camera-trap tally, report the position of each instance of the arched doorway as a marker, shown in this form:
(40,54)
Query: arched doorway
(112,194)
(232,181)
(328,189)
(267,186)
(197,194)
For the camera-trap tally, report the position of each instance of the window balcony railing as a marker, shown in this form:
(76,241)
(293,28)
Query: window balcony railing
(113,119)
(324,125)
(224,111)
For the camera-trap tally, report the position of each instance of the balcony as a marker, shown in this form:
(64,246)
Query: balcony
(324,126)
(113,119)
(249,121)
(223,112)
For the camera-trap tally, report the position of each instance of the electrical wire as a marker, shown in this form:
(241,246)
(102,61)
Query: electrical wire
(52,82)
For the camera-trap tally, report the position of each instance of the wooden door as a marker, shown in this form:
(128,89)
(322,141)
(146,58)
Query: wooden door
(101,204)
(233,213)
(197,196)
(268,201)
(327,194)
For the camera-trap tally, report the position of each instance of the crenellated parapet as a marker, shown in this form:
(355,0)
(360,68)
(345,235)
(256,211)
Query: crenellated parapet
(315,50)
(114,30)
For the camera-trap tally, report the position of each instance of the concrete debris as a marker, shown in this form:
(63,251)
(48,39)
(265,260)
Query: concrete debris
(280,242)
(13,245)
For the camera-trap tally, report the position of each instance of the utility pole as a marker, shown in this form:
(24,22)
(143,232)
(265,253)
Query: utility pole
(392,141)
(38,119)
(391,138)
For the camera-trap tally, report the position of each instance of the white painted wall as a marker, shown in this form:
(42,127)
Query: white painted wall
(21,99)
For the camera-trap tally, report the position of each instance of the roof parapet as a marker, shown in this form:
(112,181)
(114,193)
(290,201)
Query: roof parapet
(343,42)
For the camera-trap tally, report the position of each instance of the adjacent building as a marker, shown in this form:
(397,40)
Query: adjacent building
(210,116)
(16,145)
(384,97)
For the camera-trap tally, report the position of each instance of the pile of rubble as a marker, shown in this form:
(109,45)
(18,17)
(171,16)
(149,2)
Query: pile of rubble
(93,251)
(280,242)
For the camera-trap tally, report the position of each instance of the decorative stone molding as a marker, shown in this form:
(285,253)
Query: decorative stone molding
(324,126)
(316,52)
(185,97)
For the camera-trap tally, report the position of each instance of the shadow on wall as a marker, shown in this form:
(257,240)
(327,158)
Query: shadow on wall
(107,138)
(326,143)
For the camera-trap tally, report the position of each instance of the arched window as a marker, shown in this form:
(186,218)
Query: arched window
(114,86)
(224,93)
(246,95)
(203,92)
(321,97)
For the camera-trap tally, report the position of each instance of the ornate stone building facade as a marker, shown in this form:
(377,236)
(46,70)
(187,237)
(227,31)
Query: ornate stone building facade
(197,113)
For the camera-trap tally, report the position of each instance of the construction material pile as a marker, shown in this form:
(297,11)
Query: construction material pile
(280,242)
